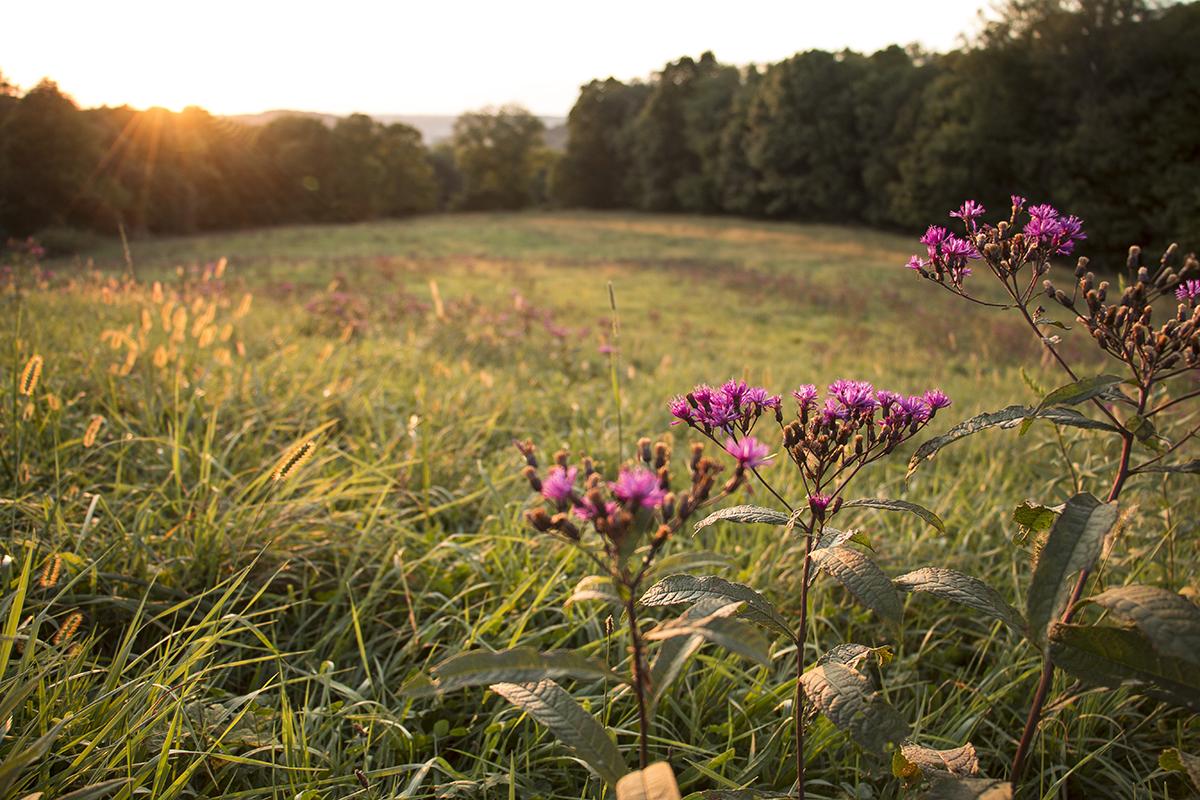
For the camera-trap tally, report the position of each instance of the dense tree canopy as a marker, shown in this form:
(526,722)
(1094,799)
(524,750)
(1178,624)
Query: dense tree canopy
(1087,104)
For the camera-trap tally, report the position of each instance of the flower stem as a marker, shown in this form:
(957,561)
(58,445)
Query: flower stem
(801,637)
(638,673)
(1039,697)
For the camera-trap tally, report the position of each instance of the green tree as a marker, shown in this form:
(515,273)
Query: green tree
(499,157)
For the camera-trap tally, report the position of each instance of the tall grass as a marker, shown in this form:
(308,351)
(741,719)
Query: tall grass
(244,626)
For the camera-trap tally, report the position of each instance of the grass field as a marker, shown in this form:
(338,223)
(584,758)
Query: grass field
(248,638)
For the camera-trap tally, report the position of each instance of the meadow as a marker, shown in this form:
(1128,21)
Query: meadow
(179,624)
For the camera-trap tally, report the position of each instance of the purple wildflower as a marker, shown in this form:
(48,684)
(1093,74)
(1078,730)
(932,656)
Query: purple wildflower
(1188,290)
(638,487)
(559,483)
(806,396)
(1018,202)
(958,248)
(968,212)
(913,408)
(936,399)
(748,452)
(818,503)
(761,398)
(916,263)
(682,410)
(585,509)
(856,396)
(934,235)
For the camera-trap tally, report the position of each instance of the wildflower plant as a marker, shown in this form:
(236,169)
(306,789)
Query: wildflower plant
(1148,326)
(620,525)
(829,441)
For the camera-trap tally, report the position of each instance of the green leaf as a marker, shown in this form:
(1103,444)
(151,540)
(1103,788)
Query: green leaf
(735,635)
(863,578)
(744,514)
(898,505)
(518,665)
(677,589)
(673,653)
(1174,760)
(1004,418)
(1034,518)
(549,704)
(1074,544)
(1192,466)
(852,655)
(950,787)
(595,587)
(1080,391)
(966,590)
(18,761)
(845,697)
(1169,621)
(832,537)
(960,761)
(1112,657)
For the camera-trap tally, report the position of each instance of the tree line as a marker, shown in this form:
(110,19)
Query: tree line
(1089,104)
(1092,105)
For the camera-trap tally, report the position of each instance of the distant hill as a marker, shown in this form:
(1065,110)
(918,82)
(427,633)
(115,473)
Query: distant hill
(433,127)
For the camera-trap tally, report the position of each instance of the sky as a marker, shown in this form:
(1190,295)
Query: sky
(429,57)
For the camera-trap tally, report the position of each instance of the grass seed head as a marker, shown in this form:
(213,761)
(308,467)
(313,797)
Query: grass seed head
(31,375)
(293,460)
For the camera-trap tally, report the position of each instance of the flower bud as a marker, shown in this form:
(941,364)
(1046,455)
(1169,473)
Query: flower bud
(531,475)
(562,523)
(643,447)
(539,519)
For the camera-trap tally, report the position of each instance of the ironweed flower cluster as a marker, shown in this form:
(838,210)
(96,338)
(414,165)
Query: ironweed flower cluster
(733,407)
(1122,322)
(856,425)
(830,439)
(1125,329)
(1031,236)
(641,498)
(634,517)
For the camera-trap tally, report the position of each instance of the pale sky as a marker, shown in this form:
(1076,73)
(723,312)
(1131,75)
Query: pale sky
(429,57)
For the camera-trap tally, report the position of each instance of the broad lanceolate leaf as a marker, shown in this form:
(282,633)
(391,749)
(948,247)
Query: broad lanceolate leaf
(1107,656)
(846,697)
(735,635)
(862,577)
(832,537)
(673,653)
(518,665)
(1074,544)
(676,589)
(963,589)
(950,787)
(595,587)
(960,761)
(744,514)
(898,505)
(1079,391)
(1170,622)
(1004,418)
(549,704)
(853,655)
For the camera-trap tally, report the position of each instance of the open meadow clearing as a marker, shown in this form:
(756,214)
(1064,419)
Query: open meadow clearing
(266,478)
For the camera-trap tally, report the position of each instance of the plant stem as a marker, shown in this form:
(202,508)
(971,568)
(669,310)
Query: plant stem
(801,637)
(638,673)
(1039,697)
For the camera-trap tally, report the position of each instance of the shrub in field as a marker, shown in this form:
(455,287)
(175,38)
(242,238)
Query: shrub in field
(1154,345)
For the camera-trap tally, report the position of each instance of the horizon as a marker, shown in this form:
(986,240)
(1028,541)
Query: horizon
(338,66)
